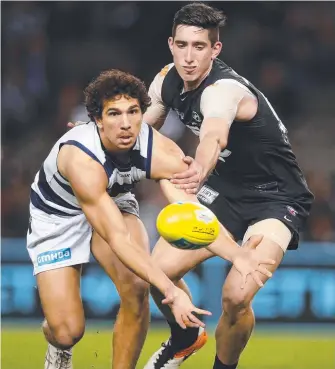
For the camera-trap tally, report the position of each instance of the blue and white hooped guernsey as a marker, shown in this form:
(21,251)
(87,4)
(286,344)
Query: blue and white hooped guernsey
(52,193)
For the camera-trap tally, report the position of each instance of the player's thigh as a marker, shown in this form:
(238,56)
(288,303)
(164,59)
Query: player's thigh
(126,282)
(276,238)
(59,291)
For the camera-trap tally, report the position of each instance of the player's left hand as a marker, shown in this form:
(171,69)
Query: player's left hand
(183,309)
(191,179)
(249,262)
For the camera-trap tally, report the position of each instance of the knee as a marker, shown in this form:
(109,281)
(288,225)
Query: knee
(134,295)
(67,333)
(236,302)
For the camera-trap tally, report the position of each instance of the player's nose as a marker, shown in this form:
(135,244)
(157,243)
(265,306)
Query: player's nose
(125,122)
(189,55)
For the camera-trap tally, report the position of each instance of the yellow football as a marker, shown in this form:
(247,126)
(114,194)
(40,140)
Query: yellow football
(188,225)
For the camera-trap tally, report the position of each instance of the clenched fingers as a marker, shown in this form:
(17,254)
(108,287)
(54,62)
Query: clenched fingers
(185,177)
(192,190)
(188,186)
(188,160)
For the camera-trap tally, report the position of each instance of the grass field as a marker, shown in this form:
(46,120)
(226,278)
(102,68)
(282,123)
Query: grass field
(24,348)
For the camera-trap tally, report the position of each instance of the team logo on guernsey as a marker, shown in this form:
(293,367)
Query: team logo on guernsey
(207,195)
(196,116)
(164,71)
(291,210)
(180,114)
(55,256)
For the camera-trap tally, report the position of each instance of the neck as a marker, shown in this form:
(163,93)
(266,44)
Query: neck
(188,86)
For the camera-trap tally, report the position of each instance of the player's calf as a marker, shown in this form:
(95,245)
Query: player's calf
(134,296)
(132,321)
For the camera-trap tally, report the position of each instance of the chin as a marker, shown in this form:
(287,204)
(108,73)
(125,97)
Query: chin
(126,147)
(190,78)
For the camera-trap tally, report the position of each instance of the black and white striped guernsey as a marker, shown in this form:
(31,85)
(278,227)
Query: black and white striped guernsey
(52,193)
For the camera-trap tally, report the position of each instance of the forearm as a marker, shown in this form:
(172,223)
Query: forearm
(174,194)
(207,154)
(108,222)
(141,264)
(224,246)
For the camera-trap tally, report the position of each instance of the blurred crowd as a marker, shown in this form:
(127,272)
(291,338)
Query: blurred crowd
(51,50)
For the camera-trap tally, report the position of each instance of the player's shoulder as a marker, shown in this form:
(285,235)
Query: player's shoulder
(226,88)
(228,82)
(86,138)
(164,71)
(157,82)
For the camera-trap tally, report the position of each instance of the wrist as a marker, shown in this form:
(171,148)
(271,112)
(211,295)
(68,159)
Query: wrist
(169,290)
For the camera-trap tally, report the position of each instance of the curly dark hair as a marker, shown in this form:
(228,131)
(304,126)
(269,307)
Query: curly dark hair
(202,16)
(109,84)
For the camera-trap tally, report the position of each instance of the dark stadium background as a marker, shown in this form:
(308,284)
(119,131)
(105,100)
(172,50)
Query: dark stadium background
(51,50)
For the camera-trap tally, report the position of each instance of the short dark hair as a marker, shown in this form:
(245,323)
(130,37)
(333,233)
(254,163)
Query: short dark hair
(109,84)
(202,16)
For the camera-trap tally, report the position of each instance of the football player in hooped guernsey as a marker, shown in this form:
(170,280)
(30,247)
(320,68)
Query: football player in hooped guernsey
(86,183)
(244,170)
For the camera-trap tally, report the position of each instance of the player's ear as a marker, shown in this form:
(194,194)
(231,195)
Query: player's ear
(98,123)
(170,43)
(216,49)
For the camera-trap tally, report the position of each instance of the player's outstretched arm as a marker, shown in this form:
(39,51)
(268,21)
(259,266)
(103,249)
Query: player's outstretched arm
(219,106)
(88,181)
(168,159)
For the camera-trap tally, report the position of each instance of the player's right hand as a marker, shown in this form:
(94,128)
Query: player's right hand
(77,123)
(191,179)
(183,309)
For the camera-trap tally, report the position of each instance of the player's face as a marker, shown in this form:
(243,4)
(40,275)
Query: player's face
(120,123)
(193,53)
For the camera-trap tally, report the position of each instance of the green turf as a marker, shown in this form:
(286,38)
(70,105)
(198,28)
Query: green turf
(25,348)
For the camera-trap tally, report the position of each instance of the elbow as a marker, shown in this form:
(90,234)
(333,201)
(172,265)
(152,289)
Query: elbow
(215,138)
(222,142)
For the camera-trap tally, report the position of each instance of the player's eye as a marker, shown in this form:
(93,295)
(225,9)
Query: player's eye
(181,45)
(134,111)
(113,113)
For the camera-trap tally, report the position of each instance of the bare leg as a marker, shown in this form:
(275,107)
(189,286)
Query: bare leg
(132,321)
(237,320)
(59,290)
